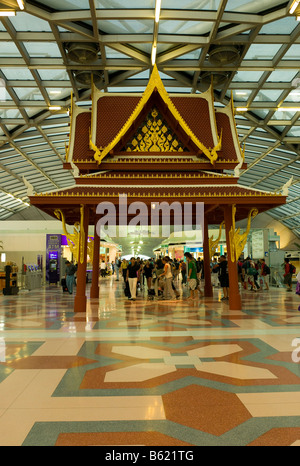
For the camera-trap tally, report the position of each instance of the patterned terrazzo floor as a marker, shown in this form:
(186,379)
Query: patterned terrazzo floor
(149,372)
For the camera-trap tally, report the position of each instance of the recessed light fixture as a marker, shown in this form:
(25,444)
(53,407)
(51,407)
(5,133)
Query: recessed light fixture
(21,4)
(293,7)
(153,55)
(157,10)
(7,13)
(288,109)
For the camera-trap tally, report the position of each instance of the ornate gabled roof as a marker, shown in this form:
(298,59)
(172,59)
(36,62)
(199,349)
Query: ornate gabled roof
(118,125)
(115,117)
(114,112)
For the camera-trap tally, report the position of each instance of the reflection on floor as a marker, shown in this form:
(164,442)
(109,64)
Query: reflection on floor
(149,372)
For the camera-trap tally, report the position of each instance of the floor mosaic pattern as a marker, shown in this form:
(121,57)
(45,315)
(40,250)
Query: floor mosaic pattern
(172,373)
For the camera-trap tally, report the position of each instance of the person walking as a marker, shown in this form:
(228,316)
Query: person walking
(70,276)
(103,269)
(132,277)
(118,264)
(168,275)
(124,265)
(287,274)
(183,272)
(147,272)
(224,277)
(192,275)
(265,273)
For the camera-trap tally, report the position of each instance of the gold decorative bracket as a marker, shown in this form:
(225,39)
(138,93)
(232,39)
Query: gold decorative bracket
(214,242)
(237,239)
(72,239)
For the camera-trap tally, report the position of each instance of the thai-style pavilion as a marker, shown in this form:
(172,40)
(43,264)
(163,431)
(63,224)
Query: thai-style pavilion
(156,147)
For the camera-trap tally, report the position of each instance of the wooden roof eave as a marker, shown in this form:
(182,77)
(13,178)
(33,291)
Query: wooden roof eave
(230,112)
(155,166)
(75,112)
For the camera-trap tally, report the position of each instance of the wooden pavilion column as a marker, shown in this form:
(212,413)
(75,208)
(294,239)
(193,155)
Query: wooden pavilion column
(235,301)
(208,291)
(96,260)
(80,298)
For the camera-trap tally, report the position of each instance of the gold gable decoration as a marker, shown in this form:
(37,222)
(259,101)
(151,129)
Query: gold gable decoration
(154,136)
(155,82)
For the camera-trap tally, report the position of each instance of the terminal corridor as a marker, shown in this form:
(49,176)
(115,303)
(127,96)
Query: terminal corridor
(173,373)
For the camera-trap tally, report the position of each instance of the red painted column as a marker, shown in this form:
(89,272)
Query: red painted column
(96,260)
(80,298)
(208,291)
(235,301)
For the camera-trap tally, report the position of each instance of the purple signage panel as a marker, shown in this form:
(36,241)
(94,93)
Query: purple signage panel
(53,252)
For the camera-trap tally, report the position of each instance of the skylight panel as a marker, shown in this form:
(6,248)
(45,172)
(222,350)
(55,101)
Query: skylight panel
(70,4)
(247,76)
(126,26)
(25,22)
(42,50)
(262,51)
(282,26)
(9,49)
(133,4)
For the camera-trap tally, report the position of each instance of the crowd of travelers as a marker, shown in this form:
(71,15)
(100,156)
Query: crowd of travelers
(161,277)
(164,278)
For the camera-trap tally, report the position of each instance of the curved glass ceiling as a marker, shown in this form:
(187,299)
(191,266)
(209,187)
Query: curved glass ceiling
(250,48)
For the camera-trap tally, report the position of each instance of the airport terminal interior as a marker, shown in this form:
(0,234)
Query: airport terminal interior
(168,132)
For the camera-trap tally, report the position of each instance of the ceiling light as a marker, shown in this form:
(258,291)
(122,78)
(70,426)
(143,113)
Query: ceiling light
(54,108)
(7,13)
(241,109)
(157,10)
(21,4)
(153,55)
(293,7)
(288,109)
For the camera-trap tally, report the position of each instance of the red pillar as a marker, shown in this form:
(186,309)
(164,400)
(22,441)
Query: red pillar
(208,291)
(96,259)
(235,301)
(80,298)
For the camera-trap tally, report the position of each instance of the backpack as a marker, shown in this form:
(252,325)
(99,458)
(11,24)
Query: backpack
(267,269)
(292,269)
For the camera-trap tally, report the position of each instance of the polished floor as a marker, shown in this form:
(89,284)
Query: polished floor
(171,373)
